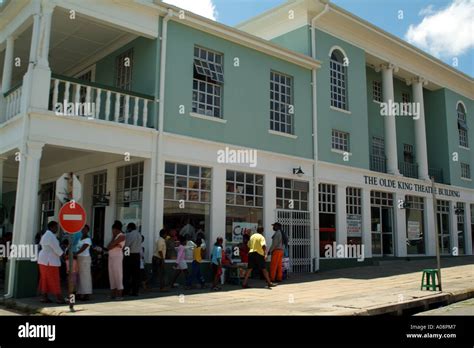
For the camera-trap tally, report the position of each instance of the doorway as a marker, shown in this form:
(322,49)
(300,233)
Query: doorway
(381,212)
(442,219)
(98,225)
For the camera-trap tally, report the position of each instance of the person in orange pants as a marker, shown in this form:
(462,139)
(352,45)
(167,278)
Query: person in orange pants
(276,250)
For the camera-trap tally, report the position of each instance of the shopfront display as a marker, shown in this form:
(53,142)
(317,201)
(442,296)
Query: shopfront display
(354,215)
(327,216)
(442,219)
(415,225)
(130,194)
(382,218)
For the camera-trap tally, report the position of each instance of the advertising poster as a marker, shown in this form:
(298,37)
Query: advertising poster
(240,228)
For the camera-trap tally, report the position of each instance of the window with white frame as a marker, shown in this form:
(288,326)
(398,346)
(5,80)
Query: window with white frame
(338,80)
(292,194)
(129,190)
(187,182)
(405,101)
(340,140)
(378,146)
(244,189)
(48,202)
(377,91)
(327,216)
(465,171)
(408,156)
(353,201)
(123,70)
(462,126)
(281,102)
(208,81)
(327,198)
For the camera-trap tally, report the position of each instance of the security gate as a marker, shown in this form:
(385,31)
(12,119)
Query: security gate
(297,226)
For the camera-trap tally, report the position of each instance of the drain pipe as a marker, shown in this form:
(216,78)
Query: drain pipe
(159,178)
(315,139)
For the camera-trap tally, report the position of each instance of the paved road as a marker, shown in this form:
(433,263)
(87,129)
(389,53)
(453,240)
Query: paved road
(4,312)
(459,308)
(350,291)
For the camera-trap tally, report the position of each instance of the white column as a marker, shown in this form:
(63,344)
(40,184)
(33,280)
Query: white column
(149,231)
(341,215)
(467,228)
(45,34)
(453,227)
(8,65)
(269,205)
(400,229)
(218,205)
(420,129)
(430,227)
(366,223)
(390,130)
(26,208)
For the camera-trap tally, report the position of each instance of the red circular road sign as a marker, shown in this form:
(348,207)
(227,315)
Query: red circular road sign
(72,217)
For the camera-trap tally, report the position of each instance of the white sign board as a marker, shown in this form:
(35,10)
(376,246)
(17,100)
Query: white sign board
(354,226)
(62,188)
(241,228)
(413,230)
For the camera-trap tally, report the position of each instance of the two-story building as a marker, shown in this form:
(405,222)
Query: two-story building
(170,119)
(374,162)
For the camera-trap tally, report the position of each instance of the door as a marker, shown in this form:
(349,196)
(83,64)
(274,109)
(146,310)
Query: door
(382,231)
(297,226)
(443,233)
(98,225)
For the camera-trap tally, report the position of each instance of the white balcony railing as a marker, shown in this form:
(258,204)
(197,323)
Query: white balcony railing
(12,102)
(73,97)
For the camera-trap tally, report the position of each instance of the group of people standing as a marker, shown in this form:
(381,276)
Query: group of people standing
(49,262)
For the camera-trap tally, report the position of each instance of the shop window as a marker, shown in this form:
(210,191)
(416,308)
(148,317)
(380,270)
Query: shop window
(354,215)
(244,206)
(327,216)
(281,103)
(415,224)
(129,194)
(292,194)
(460,218)
(187,201)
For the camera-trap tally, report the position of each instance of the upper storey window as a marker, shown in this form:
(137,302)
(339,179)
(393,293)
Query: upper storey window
(338,80)
(208,82)
(462,126)
(281,103)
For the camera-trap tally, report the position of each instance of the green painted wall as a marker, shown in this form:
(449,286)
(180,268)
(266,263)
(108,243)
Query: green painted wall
(298,40)
(465,155)
(246,95)
(436,132)
(376,121)
(328,118)
(144,70)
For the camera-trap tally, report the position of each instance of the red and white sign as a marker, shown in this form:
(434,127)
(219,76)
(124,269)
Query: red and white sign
(72,217)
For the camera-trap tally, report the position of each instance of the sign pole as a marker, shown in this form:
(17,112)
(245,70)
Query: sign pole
(435,210)
(71,296)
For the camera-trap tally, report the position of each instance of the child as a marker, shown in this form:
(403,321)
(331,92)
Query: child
(181,265)
(216,262)
(196,266)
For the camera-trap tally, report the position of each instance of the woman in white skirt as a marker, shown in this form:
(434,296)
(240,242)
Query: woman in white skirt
(84,288)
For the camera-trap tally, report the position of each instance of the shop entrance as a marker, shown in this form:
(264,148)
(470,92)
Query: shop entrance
(382,223)
(297,226)
(98,223)
(442,219)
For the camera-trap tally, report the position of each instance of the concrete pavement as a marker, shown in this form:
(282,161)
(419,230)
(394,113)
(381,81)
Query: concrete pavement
(390,287)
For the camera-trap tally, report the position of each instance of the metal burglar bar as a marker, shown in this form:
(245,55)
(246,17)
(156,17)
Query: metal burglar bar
(297,225)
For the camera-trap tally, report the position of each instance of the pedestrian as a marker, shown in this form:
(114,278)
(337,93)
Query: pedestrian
(216,263)
(257,256)
(244,249)
(196,266)
(171,240)
(190,245)
(276,252)
(202,237)
(133,245)
(115,249)
(49,262)
(158,259)
(181,265)
(84,288)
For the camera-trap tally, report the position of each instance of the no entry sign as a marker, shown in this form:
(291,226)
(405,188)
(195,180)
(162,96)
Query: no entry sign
(72,217)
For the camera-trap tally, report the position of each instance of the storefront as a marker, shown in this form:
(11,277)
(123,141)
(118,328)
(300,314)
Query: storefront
(381,209)
(416,240)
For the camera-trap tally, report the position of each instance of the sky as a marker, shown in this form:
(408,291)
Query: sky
(443,28)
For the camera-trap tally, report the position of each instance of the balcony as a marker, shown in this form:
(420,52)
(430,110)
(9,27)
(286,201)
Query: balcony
(437,173)
(409,170)
(12,102)
(378,163)
(73,97)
